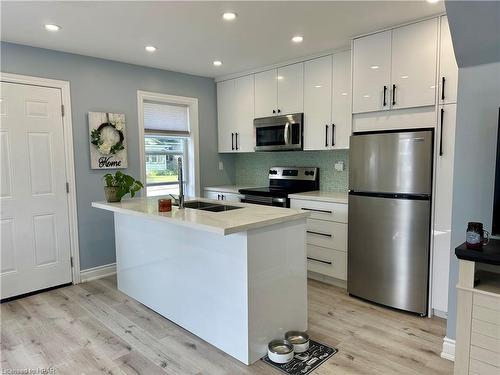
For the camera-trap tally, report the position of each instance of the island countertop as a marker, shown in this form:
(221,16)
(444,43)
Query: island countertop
(250,216)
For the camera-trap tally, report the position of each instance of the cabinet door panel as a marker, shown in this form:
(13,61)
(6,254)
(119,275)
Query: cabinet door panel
(448,68)
(266,93)
(244,109)
(414,56)
(225,114)
(371,72)
(291,89)
(341,100)
(442,206)
(317,103)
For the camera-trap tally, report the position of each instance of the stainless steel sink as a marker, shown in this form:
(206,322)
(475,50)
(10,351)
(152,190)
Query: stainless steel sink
(208,206)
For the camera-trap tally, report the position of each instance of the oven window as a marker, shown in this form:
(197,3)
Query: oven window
(270,135)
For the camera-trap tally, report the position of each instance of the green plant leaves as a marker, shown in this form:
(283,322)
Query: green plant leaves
(124,183)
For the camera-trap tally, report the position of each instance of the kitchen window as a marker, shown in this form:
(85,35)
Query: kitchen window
(168,129)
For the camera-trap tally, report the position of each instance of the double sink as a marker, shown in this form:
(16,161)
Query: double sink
(208,206)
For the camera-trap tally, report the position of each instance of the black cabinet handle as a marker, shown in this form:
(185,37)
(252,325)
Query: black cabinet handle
(279,110)
(326,135)
(274,111)
(319,260)
(315,210)
(393,94)
(319,233)
(385,94)
(333,134)
(443,81)
(232,141)
(222,197)
(441,137)
(236,137)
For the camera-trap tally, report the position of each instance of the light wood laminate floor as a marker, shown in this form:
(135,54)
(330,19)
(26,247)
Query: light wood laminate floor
(92,328)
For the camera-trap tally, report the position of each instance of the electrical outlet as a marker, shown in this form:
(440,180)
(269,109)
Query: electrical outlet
(339,166)
(221,166)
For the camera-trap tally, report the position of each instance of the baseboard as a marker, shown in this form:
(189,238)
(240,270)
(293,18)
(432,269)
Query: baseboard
(448,349)
(440,314)
(327,279)
(97,272)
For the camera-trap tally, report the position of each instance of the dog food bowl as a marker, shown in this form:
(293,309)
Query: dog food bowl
(280,351)
(299,340)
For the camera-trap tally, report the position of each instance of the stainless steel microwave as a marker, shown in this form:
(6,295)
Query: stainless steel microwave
(279,133)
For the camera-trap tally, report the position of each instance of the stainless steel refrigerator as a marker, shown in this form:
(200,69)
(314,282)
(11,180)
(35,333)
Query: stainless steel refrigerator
(390,185)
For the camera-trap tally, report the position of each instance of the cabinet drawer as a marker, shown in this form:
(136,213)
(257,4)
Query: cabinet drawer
(481,368)
(327,262)
(327,234)
(489,302)
(484,355)
(322,210)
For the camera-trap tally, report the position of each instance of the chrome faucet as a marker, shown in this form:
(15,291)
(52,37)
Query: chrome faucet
(180,199)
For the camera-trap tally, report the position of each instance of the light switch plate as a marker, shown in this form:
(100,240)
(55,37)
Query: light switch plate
(221,166)
(339,166)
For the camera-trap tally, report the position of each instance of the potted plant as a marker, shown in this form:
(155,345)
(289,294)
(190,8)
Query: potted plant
(119,185)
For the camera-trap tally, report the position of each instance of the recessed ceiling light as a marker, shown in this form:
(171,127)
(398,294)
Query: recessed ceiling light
(366,96)
(150,48)
(432,1)
(374,67)
(318,86)
(344,94)
(52,27)
(297,39)
(217,63)
(404,77)
(229,16)
(279,77)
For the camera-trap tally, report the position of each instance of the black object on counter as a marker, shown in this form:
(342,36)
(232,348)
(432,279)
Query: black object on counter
(489,254)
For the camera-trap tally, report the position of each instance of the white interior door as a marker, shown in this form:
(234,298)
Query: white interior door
(35,241)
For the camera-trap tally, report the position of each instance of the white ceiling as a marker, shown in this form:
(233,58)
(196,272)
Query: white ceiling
(190,35)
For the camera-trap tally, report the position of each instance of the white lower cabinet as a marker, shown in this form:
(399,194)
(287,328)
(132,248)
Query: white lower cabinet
(326,237)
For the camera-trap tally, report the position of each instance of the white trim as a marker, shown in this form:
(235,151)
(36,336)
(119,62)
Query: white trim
(70,161)
(448,349)
(440,314)
(97,272)
(192,103)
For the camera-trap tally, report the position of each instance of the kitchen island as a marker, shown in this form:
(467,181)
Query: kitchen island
(235,278)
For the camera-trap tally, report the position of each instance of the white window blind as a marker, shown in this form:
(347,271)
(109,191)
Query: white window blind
(164,118)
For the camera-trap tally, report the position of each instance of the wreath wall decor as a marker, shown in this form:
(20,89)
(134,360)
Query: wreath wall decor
(107,140)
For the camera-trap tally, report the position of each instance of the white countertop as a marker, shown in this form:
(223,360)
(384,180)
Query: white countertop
(227,222)
(228,188)
(322,196)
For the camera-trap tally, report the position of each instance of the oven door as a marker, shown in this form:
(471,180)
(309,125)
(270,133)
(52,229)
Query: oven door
(279,133)
(266,201)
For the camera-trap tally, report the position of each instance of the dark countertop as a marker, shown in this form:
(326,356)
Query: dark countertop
(490,253)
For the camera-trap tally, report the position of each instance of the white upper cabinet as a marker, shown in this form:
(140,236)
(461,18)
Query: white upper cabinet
(244,114)
(266,93)
(371,72)
(235,114)
(290,81)
(396,69)
(448,69)
(414,56)
(317,103)
(341,100)
(225,103)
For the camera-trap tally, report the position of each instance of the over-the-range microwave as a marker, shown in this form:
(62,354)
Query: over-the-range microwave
(279,133)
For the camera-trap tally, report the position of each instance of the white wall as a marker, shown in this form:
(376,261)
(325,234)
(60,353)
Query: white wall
(475,156)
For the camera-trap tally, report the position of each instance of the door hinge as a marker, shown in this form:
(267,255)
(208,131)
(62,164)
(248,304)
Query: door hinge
(67,187)
(71,261)
(62,110)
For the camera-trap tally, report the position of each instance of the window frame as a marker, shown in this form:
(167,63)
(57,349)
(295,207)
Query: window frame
(192,167)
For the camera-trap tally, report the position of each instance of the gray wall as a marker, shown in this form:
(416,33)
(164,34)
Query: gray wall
(474,166)
(107,86)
